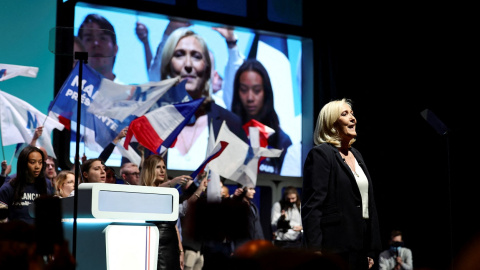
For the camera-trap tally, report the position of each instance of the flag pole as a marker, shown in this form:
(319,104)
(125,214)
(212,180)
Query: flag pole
(82,58)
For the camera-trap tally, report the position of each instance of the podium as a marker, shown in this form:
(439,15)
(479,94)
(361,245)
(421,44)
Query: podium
(112,228)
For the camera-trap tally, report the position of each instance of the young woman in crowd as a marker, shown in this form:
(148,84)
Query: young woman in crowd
(28,184)
(170,249)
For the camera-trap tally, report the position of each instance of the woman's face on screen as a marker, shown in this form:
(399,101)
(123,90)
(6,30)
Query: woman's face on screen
(251,92)
(188,62)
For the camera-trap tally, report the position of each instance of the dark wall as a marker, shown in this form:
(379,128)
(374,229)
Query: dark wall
(394,62)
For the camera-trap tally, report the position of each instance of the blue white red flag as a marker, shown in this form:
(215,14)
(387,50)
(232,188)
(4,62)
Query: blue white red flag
(158,129)
(119,101)
(104,129)
(217,151)
(265,131)
(239,162)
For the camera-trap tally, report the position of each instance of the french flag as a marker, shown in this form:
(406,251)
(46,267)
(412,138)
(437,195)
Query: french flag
(158,129)
(265,131)
(217,151)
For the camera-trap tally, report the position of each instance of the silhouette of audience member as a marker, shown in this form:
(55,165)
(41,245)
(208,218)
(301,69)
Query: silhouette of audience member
(253,99)
(225,192)
(192,246)
(19,249)
(254,228)
(397,257)
(287,220)
(98,37)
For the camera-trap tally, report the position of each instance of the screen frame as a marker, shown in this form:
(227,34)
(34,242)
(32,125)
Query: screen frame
(65,18)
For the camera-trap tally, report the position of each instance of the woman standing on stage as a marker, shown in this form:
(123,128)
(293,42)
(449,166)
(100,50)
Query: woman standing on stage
(339,215)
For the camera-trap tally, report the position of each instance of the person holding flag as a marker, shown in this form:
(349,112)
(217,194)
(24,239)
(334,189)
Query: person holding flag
(253,100)
(28,184)
(170,249)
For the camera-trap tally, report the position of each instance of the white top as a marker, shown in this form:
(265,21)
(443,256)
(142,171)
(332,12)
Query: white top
(191,147)
(362,183)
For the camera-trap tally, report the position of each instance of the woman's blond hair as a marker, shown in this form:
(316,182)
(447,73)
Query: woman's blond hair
(148,173)
(325,131)
(60,180)
(169,50)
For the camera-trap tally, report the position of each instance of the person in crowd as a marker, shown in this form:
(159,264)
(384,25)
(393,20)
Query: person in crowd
(93,171)
(185,55)
(110,176)
(254,229)
(286,220)
(339,214)
(225,192)
(235,60)
(65,183)
(397,257)
(130,173)
(6,169)
(51,169)
(98,37)
(28,184)
(253,99)
(170,249)
(108,150)
(216,83)
(192,191)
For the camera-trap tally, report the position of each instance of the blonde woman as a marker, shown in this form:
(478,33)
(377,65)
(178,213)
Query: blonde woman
(170,249)
(64,183)
(339,215)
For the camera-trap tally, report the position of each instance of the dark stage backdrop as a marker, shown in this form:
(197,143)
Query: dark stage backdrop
(395,62)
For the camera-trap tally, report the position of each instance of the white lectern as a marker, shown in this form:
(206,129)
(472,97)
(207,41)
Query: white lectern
(112,232)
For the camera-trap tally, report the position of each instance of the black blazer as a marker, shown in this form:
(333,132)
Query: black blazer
(332,205)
